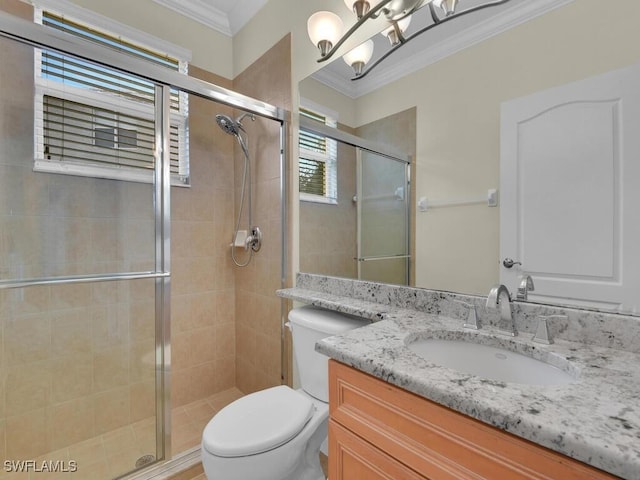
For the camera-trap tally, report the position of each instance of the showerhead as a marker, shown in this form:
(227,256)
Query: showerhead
(227,124)
(232,126)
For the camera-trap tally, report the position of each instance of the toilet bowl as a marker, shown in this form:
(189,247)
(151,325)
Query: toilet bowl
(276,433)
(267,444)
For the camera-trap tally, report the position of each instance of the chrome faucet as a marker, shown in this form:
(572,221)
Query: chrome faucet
(526,286)
(499,298)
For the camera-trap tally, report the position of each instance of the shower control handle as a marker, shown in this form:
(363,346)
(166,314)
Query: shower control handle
(254,241)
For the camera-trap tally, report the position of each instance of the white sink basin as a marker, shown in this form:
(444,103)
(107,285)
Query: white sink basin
(490,362)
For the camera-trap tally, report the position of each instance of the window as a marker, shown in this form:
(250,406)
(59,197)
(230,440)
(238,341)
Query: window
(95,121)
(318,163)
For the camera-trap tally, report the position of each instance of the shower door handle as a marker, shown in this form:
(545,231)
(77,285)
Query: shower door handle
(385,257)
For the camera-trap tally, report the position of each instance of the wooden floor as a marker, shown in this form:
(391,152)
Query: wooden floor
(194,473)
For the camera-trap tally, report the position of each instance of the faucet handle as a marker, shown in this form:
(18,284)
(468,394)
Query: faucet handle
(524,287)
(542,330)
(472,317)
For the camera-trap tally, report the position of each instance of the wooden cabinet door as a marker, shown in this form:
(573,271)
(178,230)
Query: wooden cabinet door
(421,436)
(351,458)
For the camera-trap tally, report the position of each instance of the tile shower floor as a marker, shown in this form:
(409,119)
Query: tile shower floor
(116,452)
(189,421)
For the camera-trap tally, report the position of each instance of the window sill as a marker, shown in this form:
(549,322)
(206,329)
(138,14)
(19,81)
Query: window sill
(95,171)
(308,197)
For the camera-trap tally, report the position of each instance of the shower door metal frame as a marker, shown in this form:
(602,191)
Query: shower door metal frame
(39,36)
(162,199)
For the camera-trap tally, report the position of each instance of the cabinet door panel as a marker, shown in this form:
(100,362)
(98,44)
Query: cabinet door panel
(352,458)
(432,439)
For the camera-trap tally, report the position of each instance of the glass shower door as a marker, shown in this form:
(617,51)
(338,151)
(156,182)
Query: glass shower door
(383,219)
(82,277)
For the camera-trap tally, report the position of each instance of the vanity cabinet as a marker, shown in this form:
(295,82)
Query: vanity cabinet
(379,431)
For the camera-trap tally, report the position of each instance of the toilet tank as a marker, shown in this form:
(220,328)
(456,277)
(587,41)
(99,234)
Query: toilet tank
(308,325)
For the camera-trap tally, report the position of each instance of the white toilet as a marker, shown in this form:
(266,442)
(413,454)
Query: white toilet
(276,434)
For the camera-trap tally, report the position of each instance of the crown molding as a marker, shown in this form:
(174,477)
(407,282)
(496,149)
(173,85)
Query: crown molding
(341,85)
(201,12)
(495,25)
(229,23)
(242,12)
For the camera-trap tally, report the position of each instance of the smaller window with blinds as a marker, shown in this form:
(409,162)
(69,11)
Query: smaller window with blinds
(318,163)
(94,121)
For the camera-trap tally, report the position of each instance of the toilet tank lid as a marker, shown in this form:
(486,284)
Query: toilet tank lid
(257,422)
(327,321)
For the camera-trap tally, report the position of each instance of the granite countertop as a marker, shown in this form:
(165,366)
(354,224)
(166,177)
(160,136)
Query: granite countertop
(595,420)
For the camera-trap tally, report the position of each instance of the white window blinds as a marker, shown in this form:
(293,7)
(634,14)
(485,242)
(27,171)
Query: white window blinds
(317,162)
(98,120)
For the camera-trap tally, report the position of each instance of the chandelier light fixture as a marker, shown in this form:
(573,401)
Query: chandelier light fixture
(326,28)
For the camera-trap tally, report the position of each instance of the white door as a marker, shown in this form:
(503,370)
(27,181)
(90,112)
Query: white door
(570,185)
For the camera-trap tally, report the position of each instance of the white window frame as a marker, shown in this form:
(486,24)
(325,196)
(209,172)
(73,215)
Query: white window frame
(43,86)
(330,158)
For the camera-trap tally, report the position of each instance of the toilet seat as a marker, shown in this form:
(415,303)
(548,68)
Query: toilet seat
(257,422)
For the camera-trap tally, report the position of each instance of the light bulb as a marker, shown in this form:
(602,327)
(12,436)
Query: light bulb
(325,29)
(359,56)
(391,33)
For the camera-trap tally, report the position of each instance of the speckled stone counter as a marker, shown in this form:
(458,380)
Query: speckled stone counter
(595,420)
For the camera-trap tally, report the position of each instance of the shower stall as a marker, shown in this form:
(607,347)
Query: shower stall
(119,317)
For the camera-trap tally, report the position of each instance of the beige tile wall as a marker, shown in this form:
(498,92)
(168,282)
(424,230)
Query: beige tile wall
(203,290)
(74,366)
(258,343)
